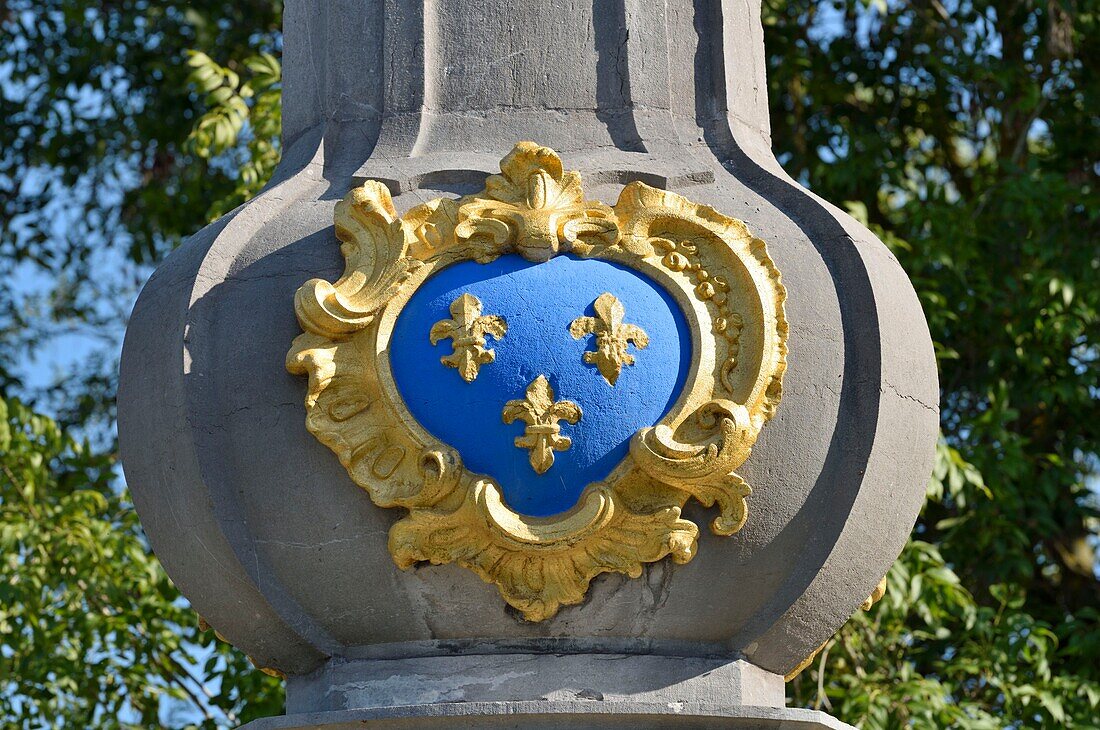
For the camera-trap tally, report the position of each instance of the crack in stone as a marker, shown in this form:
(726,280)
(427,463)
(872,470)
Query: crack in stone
(904,396)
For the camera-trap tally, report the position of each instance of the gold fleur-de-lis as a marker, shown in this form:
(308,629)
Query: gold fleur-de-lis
(541,414)
(467,329)
(612,336)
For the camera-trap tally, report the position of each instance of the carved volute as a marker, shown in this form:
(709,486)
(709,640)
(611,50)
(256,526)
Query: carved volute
(530,355)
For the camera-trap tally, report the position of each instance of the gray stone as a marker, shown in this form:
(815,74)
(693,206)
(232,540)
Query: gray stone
(267,536)
(342,684)
(558,715)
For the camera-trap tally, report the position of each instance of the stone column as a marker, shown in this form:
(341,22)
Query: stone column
(266,534)
(654,89)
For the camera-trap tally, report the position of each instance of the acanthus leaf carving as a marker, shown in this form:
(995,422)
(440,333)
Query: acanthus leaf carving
(537,570)
(373,244)
(704,470)
(534,207)
(720,274)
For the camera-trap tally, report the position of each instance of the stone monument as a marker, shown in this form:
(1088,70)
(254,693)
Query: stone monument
(531,392)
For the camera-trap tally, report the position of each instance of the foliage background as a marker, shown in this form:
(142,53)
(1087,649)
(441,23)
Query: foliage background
(963,133)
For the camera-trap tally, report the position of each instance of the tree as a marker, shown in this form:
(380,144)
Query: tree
(93,633)
(966,139)
(962,133)
(104,167)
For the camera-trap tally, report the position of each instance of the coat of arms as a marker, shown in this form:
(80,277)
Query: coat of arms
(542,381)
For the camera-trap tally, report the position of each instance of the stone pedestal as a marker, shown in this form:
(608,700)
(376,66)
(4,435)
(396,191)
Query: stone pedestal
(538,690)
(267,535)
(564,714)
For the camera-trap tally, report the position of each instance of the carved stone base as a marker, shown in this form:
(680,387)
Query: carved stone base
(562,714)
(540,691)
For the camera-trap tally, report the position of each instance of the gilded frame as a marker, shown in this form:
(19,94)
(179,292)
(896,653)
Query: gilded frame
(718,272)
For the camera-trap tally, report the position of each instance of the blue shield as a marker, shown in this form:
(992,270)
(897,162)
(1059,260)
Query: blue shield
(538,303)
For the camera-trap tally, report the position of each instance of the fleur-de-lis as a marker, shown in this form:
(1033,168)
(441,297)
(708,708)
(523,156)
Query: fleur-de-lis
(467,329)
(541,414)
(612,336)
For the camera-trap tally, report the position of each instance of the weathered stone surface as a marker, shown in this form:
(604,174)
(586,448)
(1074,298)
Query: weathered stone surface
(558,716)
(348,684)
(262,528)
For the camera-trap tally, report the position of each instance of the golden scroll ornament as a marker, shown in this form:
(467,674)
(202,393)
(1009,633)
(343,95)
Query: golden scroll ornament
(718,273)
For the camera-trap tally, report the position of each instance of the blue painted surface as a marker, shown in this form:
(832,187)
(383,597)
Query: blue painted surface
(539,301)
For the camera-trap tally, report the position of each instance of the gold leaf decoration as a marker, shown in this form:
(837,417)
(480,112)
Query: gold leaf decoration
(612,336)
(535,570)
(541,413)
(719,273)
(467,330)
(534,207)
